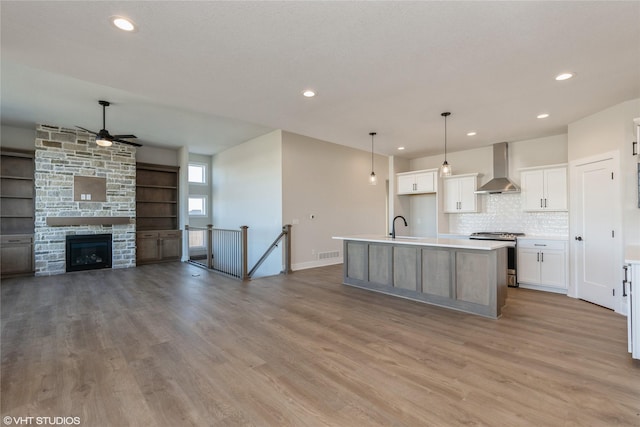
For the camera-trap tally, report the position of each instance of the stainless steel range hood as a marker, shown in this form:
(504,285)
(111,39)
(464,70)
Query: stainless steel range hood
(500,182)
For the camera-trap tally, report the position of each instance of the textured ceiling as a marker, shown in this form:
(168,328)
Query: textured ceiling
(213,74)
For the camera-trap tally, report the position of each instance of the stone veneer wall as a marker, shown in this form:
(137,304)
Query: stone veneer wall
(60,155)
(503,212)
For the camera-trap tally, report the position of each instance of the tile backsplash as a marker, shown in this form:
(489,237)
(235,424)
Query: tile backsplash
(503,212)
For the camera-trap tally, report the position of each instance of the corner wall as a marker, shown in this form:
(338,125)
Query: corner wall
(247,190)
(613,130)
(330,182)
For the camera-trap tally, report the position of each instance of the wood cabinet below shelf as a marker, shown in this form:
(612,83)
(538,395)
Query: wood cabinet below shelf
(16,255)
(158,246)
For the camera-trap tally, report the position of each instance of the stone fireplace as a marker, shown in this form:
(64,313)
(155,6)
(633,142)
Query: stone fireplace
(64,160)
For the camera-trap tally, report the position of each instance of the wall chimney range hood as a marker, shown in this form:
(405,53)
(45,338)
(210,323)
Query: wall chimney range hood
(500,182)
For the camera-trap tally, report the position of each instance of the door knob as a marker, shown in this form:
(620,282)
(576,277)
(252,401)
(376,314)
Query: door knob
(579,238)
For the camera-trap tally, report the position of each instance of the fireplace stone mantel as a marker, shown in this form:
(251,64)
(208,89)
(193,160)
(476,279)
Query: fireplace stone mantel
(64,221)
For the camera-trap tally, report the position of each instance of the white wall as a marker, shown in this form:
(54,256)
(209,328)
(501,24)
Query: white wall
(522,154)
(247,190)
(158,156)
(613,130)
(16,137)
(329,181)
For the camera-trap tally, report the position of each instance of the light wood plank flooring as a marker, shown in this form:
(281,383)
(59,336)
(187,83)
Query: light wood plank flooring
(174,345)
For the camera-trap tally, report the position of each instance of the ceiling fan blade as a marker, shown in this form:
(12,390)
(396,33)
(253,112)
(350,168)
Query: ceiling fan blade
(122,141)
(87,130)
(125,136)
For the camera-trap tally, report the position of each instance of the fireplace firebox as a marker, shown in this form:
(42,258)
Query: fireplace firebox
(88,252)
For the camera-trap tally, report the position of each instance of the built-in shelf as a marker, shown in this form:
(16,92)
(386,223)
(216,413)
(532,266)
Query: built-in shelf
(157,213)
(17,212)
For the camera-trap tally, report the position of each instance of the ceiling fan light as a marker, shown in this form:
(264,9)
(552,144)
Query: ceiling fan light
(103,142)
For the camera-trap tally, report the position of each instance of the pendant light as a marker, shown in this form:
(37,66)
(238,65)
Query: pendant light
(373,179)
(445,169)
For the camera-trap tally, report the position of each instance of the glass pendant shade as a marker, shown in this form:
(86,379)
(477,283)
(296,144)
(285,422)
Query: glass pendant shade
(373,179)
(445,169)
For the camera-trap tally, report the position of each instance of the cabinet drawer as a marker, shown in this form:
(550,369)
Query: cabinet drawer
(170,234)
(16,239)
(147,235)
(541,244)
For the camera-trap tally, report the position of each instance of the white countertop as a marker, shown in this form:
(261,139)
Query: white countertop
(486,245)
(533,237)
(632,254)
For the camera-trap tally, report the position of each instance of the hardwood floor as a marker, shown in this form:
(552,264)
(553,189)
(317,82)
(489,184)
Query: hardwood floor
(174,345)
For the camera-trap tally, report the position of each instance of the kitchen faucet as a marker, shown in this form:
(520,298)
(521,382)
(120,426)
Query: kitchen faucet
(393,225)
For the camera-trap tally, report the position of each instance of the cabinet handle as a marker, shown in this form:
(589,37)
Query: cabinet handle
(624,282)
(538,257)
(539,244)
(541,203)
(545,203)
(541,256)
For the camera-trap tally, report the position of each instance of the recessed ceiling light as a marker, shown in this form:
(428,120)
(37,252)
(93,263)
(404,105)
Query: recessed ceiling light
(401,148)
(309,93)
(564,76)
(543,116)
(471,134)
(125,24)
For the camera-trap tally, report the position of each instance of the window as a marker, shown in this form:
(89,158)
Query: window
(197,205)
(198,173)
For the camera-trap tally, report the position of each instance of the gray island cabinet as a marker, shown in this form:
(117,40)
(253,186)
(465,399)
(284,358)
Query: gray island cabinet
(465,275)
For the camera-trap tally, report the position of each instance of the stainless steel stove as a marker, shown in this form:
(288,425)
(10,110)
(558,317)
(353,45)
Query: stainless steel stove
(512,262)
(496,235)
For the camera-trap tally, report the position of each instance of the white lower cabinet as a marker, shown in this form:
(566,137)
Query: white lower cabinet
(542,264)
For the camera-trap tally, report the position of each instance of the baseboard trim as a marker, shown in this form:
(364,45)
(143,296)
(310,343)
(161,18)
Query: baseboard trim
(314,264)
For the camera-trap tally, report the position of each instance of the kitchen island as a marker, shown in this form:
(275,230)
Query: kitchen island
(465,275)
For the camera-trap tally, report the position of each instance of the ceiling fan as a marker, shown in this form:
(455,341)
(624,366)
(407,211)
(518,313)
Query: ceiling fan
(104,138)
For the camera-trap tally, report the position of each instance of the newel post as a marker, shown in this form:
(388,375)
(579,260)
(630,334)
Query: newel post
(244,253)
(286,230)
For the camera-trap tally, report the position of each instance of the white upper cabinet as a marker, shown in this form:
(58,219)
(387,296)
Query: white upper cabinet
(544,189)
(417,182)
(459,193)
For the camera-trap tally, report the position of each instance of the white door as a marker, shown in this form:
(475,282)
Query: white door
(596,241)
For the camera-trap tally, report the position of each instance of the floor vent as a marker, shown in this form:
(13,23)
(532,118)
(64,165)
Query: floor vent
(325,255)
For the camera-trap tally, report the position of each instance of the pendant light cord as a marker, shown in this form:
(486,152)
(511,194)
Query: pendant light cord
(372,135)
(445,115)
